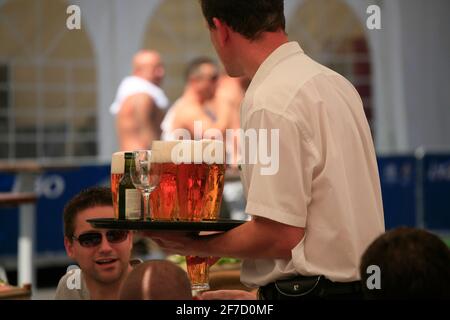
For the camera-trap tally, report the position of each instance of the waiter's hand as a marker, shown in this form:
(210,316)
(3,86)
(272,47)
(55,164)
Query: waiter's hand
(176,242)
(173,242)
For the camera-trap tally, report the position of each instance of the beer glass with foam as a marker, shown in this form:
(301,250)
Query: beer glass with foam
(200,179)
(164,199)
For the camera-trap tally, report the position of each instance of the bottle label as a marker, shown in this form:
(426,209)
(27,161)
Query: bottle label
(133,204)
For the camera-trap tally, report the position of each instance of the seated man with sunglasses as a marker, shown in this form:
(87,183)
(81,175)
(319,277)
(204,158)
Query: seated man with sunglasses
(102,255)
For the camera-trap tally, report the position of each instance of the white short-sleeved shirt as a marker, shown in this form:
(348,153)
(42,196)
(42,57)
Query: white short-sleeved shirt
(67,286)
(64,291)
(327,180)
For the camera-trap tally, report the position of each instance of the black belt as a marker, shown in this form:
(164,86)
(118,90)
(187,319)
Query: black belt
(315,287)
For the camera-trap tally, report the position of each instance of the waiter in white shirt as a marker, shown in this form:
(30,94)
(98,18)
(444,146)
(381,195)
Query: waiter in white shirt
(140,103)
(312,218)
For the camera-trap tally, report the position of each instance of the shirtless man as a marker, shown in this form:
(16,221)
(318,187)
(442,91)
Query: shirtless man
(140,103)
(195,104)
(157,280)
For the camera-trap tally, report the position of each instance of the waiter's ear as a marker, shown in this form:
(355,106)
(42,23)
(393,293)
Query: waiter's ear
(223,31)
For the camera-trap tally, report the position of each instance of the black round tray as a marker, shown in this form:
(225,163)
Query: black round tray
(216,225)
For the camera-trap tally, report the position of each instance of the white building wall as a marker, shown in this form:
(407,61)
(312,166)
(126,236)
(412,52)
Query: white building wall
(426,66)
(387,54)
(411,74)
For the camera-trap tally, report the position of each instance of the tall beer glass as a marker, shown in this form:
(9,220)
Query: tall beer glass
(164,199)
(198,195)
(191,180)
(117,167)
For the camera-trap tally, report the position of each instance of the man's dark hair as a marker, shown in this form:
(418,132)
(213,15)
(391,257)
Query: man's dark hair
(92,197)
(413,264)
(193,67)
(250,18)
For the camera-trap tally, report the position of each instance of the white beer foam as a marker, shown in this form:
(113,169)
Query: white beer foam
(162,151)
(118,162)
(213,151)
(187,151)
(201,151)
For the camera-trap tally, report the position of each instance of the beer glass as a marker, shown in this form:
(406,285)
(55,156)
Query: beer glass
(198,272)
(117,168)
(142,178)
(199,192)
(164,199)
(191,180)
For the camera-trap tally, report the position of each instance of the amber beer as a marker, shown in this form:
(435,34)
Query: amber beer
(214,160)
(198,272)
(164,199)
(200,178)
(214,191)
(117,166)
(191,180)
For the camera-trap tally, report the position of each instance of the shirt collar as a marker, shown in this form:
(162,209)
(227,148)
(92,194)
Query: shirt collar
(279,54)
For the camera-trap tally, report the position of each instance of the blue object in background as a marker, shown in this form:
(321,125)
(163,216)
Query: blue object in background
(436,191)
(398,177)
(6,182)
(55,189)
(9,218)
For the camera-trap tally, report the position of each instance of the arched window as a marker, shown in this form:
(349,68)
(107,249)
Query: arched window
(330,32)
(47,83)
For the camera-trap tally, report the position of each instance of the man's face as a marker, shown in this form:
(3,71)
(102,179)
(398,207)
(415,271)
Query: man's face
(205,81)
(106,262)
(154,70)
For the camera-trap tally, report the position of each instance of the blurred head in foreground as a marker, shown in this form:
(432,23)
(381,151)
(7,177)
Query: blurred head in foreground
(412,263)
(157,280)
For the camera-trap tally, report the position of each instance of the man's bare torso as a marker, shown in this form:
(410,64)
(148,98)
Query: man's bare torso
(138,122)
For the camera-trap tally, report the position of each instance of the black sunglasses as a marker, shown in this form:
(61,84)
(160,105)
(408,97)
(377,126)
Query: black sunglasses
(93,239)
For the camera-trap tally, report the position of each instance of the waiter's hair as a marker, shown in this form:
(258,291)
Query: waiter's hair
(250,18)
(156,280)
(413,263)
(88,198)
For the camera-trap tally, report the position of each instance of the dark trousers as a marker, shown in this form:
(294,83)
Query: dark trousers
(311,288)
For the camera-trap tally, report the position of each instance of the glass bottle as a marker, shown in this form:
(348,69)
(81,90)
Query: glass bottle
(129,196)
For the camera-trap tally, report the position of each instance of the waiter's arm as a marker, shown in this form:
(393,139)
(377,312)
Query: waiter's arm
(260,238)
